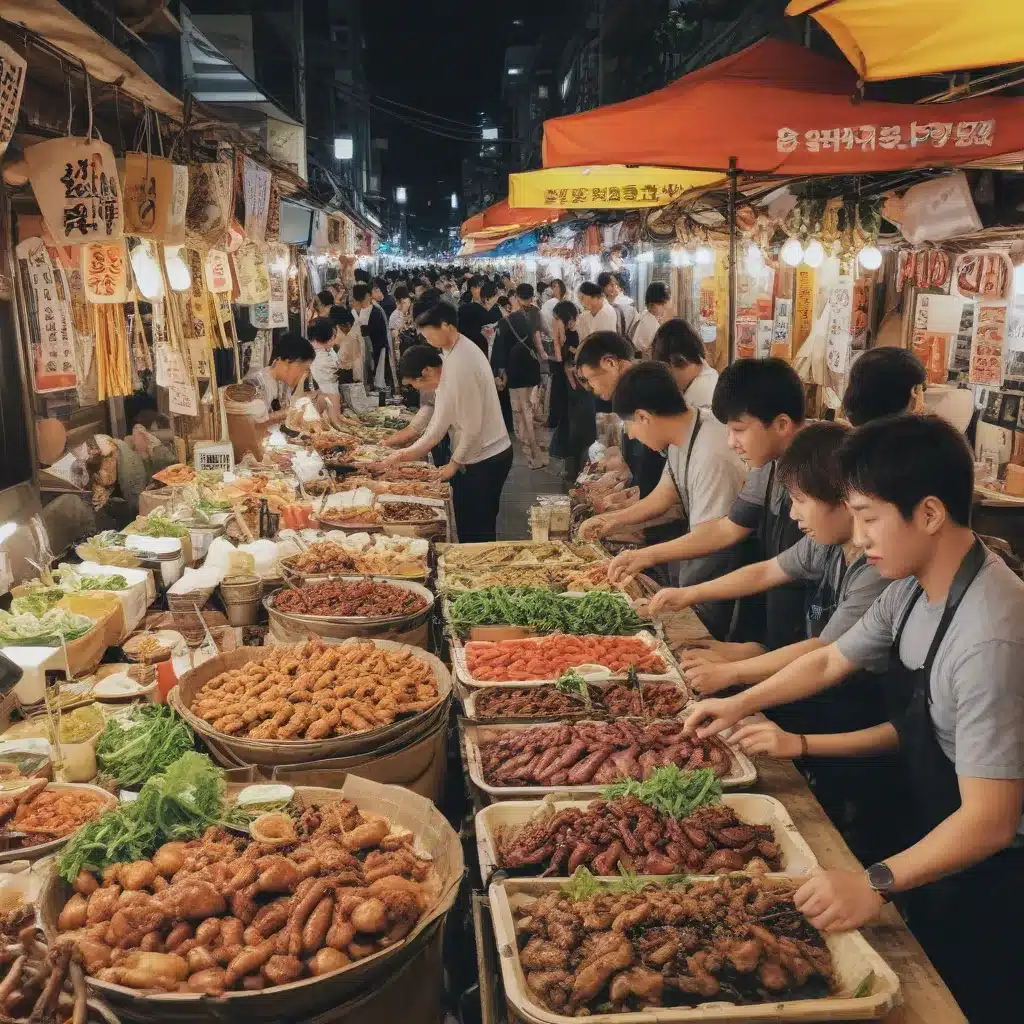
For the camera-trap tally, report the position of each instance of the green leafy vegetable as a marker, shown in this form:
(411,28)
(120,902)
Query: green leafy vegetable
(47,630)
(670,790)
(598,611)
(157,524)
(178,804)
(572,683)
(582,885)
(71,582)
(37,603)
(864,988)
(148,741)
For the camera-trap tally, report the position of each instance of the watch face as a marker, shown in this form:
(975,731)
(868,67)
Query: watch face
(880,877)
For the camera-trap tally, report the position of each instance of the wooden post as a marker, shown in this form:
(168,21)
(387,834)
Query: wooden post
(733,177)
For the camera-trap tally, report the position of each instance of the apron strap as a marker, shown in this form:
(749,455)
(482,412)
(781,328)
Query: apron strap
(682,492)
(965,575)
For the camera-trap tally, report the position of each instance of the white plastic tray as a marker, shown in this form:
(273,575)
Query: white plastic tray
(754,808)
(741,773)
(852,956)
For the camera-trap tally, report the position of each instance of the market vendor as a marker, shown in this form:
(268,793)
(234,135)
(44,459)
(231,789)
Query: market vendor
(680,347)
(761,401)
(701,474)
(420,367)
(949,632)
(290,361)
(467,404)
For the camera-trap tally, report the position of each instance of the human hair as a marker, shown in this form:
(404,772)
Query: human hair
(811,463)
(677,343)
(601,344)
(605,278)
(419,307)
(379,282)
(657,294)
(902,460)
(488,290)
(417,358)
(762,388)
(591,290)
(503,302)
(476,280)
(360,292)
(648,386)
(325,298)
(558,289)
(881,383)
(362,276)
(439,313)
(565,311)
(322,329)
(431,295)
(525,291)
(401,292)
(342,316)
(292,348)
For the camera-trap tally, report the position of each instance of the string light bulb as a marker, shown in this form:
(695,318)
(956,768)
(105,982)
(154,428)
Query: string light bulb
(178,274)
(870,257)
(146,269)
(814,254)
(792,252)
(704,255)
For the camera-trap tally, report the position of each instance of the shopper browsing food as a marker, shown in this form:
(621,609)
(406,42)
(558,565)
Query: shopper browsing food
(420,367)
(680,347)
(466,403)
(324,335)
(645,326)
(761,401)
(949,632)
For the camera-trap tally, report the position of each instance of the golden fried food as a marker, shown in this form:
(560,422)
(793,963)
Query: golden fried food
(57,812)
(315,691)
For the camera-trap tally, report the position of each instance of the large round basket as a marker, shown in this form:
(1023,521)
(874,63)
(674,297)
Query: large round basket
(340,627)
(40,850)
(309,997)
(273,752)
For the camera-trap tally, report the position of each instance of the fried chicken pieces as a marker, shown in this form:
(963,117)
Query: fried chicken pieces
(595,753)
(627,833)
(315,691)
(223,912)
(738,940)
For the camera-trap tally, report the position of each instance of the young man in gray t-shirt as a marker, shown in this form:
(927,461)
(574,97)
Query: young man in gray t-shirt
(951,629)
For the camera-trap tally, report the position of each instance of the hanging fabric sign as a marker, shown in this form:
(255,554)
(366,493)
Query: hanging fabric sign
(251,271)
(161,345)
(105,272)
(987,344)
(746,338)
(764,338)
(54,353)
(208,204)
(181,392)
(274,211)
(197,303)
(256,191)
(12,81)
(147,195)
(803,311)
(76,186)
(277,266)
(178,209)
(217,271)
(837,350)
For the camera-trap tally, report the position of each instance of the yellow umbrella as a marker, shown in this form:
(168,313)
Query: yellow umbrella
(604,187)
(900,38)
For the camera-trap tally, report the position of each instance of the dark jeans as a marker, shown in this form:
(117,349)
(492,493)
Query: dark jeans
(476,494)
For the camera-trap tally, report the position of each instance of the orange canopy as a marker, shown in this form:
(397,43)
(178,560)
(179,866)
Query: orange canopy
(501,219)
(780,108)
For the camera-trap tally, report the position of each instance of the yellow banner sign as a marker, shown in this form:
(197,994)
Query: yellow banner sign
(610,187)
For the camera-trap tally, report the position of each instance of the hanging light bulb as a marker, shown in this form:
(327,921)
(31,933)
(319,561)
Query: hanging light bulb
(792,252)
(754,261)
(178,275)
(870,257)
(814,254)
(647,256)
(704,254)
(146,269)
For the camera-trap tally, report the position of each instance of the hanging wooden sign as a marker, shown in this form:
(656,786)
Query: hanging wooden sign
(147,195)
(278,260)
(256,192)
(54,351)
(12,82)
(105,272)
(250,264)
(76,185)
(217,271)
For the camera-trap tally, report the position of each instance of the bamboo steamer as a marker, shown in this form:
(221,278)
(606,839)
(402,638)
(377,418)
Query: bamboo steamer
(309,997)
(275,752)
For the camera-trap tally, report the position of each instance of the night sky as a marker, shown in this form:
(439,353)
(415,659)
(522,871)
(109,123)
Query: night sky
(446,58)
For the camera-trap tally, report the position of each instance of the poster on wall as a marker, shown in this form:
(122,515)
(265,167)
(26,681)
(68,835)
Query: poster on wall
(12,82)
(76,185)
(746,338)
(936,323)
(53,355)
(838,342)
(764,338)
(781,327)
(987,345)
(960,349)
(1014,358)
(256,194)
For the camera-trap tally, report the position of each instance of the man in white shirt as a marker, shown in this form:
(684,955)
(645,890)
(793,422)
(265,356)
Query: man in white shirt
(467,404)
(679,346)
(623,305)
(656,299)
(598,312)
(547,310)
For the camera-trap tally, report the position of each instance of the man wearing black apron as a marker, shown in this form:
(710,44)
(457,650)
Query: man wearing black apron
(701,475)
(950,630)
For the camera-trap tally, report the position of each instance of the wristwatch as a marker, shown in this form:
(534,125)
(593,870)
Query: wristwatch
(880,878)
